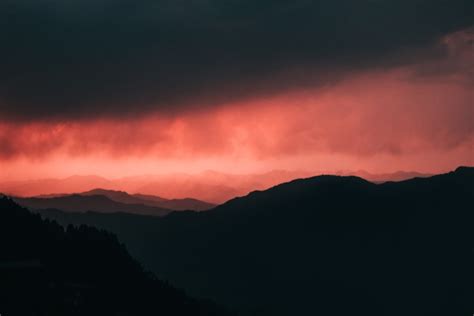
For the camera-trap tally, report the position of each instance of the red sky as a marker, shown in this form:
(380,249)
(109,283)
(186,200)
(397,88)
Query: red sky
(416,116)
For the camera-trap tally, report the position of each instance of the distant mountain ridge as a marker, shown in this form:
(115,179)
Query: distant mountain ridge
(187,204)
(210,186)
(89,203)
(385,177)
(105,201)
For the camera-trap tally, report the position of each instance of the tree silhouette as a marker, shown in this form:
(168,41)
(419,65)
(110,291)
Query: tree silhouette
(46,270)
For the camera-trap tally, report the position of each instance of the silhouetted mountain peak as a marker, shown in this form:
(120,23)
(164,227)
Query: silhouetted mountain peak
(300,192)
(464,170)
(320,182)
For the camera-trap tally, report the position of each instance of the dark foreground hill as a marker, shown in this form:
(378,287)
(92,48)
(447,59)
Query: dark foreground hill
(326,245)
(46,270)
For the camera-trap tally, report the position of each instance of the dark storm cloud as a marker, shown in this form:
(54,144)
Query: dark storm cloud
(81,59)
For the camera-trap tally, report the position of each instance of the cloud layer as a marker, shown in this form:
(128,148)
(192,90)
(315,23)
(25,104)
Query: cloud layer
(390,112)
(112,59)
(417,116)
(130,87)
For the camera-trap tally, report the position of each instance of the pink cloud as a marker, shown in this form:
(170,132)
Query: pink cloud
(424,110)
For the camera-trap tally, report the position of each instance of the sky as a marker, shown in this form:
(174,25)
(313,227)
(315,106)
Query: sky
(119,87)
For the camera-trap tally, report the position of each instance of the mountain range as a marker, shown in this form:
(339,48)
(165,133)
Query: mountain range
(211,186)
(101,200)
(325,245)
(88,203)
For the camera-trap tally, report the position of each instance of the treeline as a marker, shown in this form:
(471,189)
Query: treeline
(46,269)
